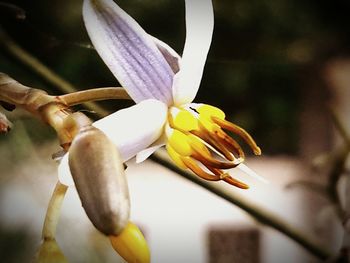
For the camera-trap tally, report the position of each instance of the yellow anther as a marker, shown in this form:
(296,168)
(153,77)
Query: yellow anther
(198,145)
(131,245)
(179,142)
(208,123)
(175,157)
(208,111)
(184,120)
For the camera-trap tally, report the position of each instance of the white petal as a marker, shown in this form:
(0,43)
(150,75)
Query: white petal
(135,128)
(199,30)
(64,175)
(144,154)
(128,51)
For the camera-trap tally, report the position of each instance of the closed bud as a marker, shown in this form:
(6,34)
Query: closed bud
(98,174)
(49,252)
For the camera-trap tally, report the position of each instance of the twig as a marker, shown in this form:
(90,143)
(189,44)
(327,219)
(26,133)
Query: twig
(262,215)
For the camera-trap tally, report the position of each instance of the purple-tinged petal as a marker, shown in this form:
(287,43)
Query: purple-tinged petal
(128,51)
(169,54)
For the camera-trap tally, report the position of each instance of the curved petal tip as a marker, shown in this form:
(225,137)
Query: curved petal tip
(199,30)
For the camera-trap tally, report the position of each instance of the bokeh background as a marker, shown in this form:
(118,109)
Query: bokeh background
(275,67)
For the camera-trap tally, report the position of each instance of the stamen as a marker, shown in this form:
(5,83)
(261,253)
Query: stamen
(238,130)
(229,142)
(205,136)
(199,171)
(228,178)
(221,142)
(210,161)
(197,135)
(235,182)
(175,156)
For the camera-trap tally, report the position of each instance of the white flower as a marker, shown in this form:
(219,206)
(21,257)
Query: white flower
(163,85)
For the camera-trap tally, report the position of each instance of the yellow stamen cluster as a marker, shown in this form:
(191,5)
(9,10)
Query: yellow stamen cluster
(197,141)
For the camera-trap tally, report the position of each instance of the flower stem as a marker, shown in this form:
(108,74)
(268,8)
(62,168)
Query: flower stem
(262,215)
(53,212)
(83,96)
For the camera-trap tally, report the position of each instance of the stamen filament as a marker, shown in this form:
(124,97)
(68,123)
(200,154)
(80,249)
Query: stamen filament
(228,178)
(199,171)
(230,143)
(209,160)
(206,136)
(235,182)
(238,130)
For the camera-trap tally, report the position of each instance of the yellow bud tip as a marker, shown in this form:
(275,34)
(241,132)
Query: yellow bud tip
(131,245)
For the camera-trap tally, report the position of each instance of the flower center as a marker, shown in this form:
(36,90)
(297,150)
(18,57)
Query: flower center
(197,140)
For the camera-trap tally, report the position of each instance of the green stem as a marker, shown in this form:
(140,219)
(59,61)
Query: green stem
(262,215)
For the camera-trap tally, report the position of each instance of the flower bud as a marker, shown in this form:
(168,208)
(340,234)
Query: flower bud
(98,174)
(131,245)
(49,252)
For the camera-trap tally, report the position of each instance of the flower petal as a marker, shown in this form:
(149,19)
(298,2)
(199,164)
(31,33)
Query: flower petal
(144,154)
(128,51)
(135,128)
(199,30)
(169,54)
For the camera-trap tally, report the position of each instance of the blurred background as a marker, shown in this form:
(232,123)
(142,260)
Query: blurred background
(277,68)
